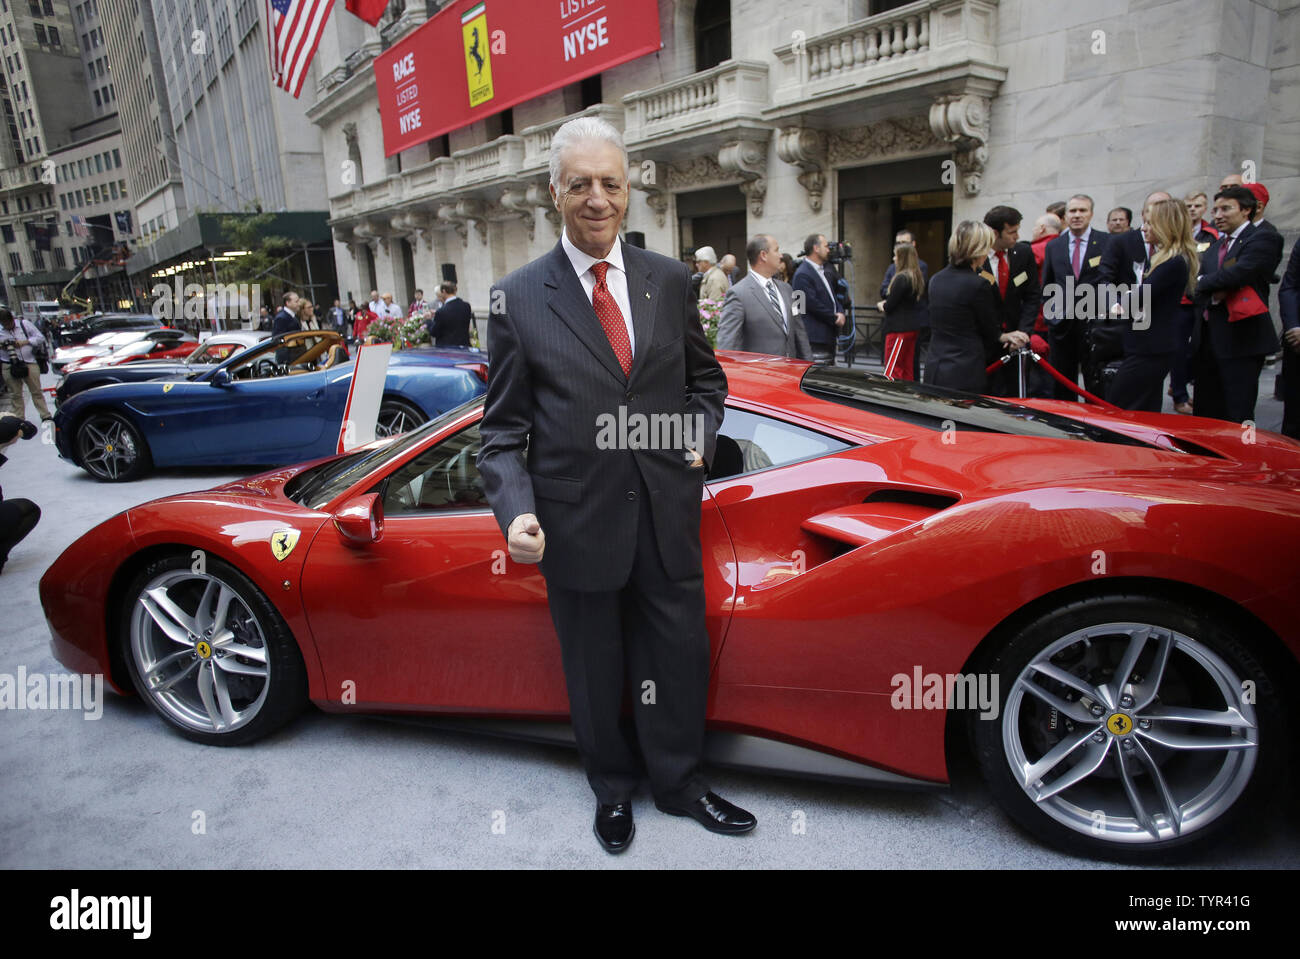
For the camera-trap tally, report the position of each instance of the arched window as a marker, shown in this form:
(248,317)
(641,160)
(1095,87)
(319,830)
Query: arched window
(712,33)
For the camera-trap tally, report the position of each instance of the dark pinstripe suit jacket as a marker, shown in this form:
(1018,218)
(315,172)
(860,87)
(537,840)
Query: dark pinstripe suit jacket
(553,376)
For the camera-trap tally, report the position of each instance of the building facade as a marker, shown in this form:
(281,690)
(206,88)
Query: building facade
(852,118)
(44,97)
(153,168)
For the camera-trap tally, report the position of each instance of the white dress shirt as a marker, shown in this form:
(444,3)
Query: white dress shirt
(615,279)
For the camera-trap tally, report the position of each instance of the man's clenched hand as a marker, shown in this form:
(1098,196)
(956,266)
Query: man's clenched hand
(527,541)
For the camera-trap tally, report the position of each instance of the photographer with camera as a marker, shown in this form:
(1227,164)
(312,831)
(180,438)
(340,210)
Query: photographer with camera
(18,517)
(823,317)
(22,351)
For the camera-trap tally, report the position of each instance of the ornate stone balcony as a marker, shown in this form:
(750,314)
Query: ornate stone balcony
(910,54)
(500,159)
(702,110)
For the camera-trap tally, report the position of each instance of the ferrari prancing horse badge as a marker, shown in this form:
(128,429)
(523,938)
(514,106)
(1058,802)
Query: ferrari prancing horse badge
(282,542)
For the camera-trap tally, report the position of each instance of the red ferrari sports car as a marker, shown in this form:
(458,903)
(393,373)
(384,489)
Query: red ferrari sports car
(1100,605)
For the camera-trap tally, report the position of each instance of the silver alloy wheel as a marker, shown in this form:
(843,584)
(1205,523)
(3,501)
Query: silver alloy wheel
(201,652)
(1158,746)
(394,420)
(107,446)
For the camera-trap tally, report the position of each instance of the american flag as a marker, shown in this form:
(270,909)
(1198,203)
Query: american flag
(79,226)
(294,29)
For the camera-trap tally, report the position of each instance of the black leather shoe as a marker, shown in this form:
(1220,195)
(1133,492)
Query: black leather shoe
(614,826)
(713,813)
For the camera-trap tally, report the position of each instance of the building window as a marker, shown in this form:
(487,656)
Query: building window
(60,260)
(7,231)
(15,262)
(117,158)
(121,184)
(712,33)
(54,37)
(35,7)
(63,201)
(98,101)
(49,7)
(41,38)
(38,259)
(112,188)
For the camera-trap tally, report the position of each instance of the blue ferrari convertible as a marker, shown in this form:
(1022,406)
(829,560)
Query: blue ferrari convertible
(278,402)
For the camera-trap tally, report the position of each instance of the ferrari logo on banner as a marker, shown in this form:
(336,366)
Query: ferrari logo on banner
(478,58)
(282,542)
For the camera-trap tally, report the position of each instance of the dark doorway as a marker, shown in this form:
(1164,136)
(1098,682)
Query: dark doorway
(408,274)
(713,218)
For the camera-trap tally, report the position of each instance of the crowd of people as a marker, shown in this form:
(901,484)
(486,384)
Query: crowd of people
(448,319)
(1073,312)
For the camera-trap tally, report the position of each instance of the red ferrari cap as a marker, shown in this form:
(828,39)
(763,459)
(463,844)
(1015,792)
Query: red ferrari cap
(1260,191)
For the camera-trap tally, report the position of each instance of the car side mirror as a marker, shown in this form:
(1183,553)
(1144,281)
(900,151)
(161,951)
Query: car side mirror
(220,378)
(360,521)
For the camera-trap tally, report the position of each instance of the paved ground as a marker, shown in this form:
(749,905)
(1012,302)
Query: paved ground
(343,792)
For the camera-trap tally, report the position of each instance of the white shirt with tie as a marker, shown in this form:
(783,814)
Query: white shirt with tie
(615,279)
(773,294)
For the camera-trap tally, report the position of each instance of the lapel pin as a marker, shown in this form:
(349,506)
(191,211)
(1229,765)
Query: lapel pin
(647,296)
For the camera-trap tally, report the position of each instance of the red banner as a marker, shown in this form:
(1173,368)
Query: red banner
(479,57)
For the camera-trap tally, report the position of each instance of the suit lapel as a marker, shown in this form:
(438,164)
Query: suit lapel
(571,305)
(643,294)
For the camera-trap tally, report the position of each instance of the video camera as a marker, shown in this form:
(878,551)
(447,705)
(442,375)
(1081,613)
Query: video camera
(839,251)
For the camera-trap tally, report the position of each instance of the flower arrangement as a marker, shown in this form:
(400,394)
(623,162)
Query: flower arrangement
(710,317)
(401,333)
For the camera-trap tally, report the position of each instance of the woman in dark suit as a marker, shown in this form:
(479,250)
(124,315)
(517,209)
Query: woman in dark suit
(1151,340)
(965,330)
(902,309)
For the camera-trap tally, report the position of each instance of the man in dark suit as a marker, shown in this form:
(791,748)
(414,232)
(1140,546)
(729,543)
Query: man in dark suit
(817,302)
(757,313)
(1288,298)
(286,321)
(1015,274)
(1227,357)
(598,329)
(450,325)
(1071,264)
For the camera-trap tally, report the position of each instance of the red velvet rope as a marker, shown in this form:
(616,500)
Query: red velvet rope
(1056,375)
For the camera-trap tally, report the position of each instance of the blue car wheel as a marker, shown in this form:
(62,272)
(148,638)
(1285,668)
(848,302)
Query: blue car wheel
(396,417)
(111,449)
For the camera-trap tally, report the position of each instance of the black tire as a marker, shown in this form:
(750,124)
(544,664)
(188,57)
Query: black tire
(397,416)
(110,448)
(275,699)
(1193,677)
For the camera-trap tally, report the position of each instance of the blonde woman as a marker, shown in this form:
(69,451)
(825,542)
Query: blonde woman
(307,315)
(902,310)
(965,331)
(1151,340)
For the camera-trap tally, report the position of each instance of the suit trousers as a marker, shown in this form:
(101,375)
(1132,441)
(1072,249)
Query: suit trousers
(1290,392)
(649,631)
(1066,343)
(1226,389)
(1139,380)
(823,355)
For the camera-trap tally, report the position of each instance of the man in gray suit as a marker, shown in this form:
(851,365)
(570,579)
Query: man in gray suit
(594,331)
(758,314)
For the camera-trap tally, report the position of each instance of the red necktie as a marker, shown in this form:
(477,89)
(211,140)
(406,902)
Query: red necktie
(1223,250)
(1004,274)
(611,318)
(1074,262)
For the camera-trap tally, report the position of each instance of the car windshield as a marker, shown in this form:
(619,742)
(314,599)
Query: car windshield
(315,487)
(940,409)
(213,351)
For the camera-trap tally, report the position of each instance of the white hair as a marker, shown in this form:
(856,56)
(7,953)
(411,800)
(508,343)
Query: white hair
(706,254)
(578,130)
